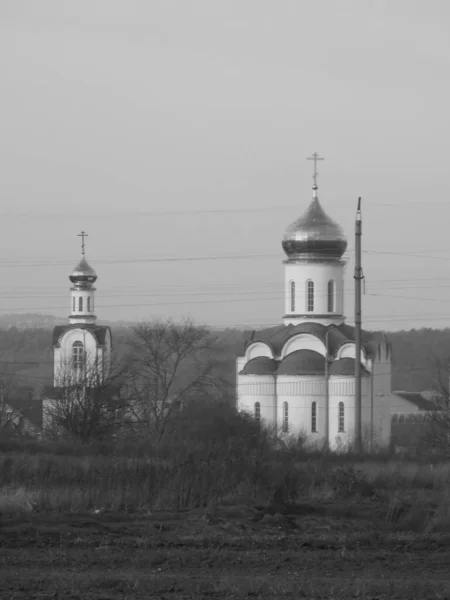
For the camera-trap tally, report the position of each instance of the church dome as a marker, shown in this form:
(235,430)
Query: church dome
(314,236)
(83,273)
(260,365)
(302,362)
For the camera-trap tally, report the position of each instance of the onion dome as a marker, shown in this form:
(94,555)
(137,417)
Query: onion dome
(302,362)
(83,273)
(314,236)
(260,365)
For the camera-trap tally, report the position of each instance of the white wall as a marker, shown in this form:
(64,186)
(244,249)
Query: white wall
(320,273)
(300,393)
(258,388)
(63,354)
(382,398)
(83,316)
(342,389)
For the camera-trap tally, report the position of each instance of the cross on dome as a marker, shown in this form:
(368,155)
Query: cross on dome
(315,157)
(82,235)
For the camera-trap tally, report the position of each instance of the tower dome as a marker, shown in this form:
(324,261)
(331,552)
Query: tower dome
(314,236)
(83,274)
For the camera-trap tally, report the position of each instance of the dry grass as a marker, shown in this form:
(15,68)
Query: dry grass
(222,516)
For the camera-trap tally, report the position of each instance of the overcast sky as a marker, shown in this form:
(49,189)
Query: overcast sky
(113,111)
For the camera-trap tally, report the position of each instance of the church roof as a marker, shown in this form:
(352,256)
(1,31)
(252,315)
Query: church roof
(98,331)
(260,365)
(418,399)
(276,337)
(302,362)
(345,366)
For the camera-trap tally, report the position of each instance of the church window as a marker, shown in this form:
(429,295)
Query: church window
(285,417)
(314,417)
(257,411)
(74,304)
(341,417)
(292,295)
(89,304)
(292,290)
(80,304)
(331,296)
(77,354)
(310,295)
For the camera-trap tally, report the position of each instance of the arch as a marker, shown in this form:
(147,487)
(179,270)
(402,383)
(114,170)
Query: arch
(310,295)
(80,304)
(314,417)
(78,354)
(331,296)
(285,427)
(341,424)
(292,295)
(256,349)
(347,350)
(303,341)
(258,411)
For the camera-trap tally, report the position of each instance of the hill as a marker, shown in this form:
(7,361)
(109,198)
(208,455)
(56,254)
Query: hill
(418,355)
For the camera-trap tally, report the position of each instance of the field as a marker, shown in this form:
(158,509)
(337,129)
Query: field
(105,527)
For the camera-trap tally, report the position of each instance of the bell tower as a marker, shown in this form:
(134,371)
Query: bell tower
(314,269)
(82,292)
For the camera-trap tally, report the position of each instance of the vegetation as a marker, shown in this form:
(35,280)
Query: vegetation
(219,513)
(209,505)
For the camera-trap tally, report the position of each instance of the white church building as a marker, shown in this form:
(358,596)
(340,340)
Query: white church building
(299,377)
(81,348)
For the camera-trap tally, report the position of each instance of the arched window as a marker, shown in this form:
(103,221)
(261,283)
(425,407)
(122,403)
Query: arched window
(331,296)
(310,296)
(285,417)
(292,291)
(257,411)
(314,417)
(77,354)
(341,417)
(74,305)
(89,304)
(80,304)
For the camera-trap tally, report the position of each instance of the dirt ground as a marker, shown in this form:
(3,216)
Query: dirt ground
(335,552)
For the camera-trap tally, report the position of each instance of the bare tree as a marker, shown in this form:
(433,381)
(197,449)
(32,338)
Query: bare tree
(437,423)
(87,404)
(11,419)
(169,364)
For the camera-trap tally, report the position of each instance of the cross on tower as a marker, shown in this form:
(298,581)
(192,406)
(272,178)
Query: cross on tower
(315,157)
(82,235)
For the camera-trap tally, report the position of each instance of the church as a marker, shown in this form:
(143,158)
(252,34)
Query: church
(81,348)
(298,378)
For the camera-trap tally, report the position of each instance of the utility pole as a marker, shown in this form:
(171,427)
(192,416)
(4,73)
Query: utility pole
(358,277)
(327,392)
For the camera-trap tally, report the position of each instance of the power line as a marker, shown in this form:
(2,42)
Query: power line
(205,211)
(168,259)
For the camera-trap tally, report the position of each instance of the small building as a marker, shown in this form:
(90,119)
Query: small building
(81,348)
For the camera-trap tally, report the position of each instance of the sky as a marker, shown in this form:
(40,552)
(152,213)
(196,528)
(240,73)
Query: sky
(175,132)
